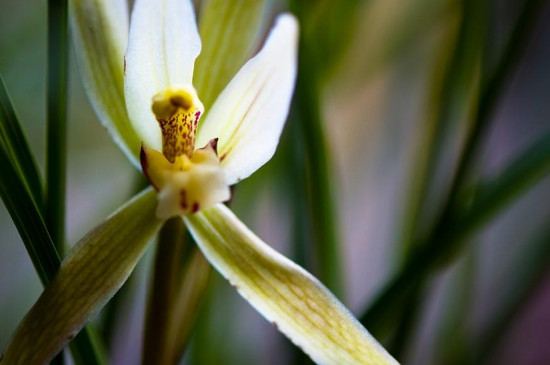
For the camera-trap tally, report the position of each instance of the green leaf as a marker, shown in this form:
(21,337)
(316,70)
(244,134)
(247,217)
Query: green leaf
(56,121)
(27,218)
(92,272)
(284,293)
(228,30)
(15,145)
(100,33)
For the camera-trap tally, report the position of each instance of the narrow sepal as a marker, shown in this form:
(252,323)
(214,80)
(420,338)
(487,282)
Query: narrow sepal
(285,294)
(100,33)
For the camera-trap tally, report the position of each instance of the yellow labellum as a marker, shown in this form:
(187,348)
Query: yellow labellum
(186,179)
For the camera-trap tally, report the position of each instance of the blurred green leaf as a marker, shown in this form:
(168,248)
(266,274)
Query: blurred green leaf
(452,102)
(386,31)
(327,27)
(91,273)
(451,105)
(446,237)
(530,269)
(306,110)
(228,30)
(493,195)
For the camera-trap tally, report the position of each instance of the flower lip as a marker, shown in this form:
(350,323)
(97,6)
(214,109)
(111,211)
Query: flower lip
(187,184)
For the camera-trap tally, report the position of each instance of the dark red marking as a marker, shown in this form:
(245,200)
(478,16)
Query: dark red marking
(143,158)
(195,207)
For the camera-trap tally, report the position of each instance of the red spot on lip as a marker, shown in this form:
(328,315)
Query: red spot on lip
(195,207)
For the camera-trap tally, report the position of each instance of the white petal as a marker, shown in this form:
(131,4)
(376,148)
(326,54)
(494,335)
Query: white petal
(162,48)
(100,33)
(285,294)
(249,115)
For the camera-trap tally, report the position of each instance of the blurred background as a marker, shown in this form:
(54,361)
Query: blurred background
(388,94)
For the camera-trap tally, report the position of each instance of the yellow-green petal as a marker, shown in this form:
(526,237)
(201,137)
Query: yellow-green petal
(89,276)
(228,30)
(100,33)
(285,294)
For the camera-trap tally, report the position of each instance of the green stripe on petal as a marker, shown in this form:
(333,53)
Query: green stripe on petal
(249,114)
(284,293)
(228,30)
(100,33)
(91,274)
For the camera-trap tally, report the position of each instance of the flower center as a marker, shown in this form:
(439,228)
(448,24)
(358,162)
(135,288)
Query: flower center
(177,112)
(187,179)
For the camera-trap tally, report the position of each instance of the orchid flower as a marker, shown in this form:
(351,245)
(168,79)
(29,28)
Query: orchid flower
(191,156)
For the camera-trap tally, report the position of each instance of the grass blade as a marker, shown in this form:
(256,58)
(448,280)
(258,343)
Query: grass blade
(16,147)
(56,120)
(26,216)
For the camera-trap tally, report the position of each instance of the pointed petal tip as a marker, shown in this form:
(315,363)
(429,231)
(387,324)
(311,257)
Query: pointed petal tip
(288,21)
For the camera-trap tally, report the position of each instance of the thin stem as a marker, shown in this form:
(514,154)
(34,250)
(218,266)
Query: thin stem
(56,117)
(450,105)
(180,278)
(168,261)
